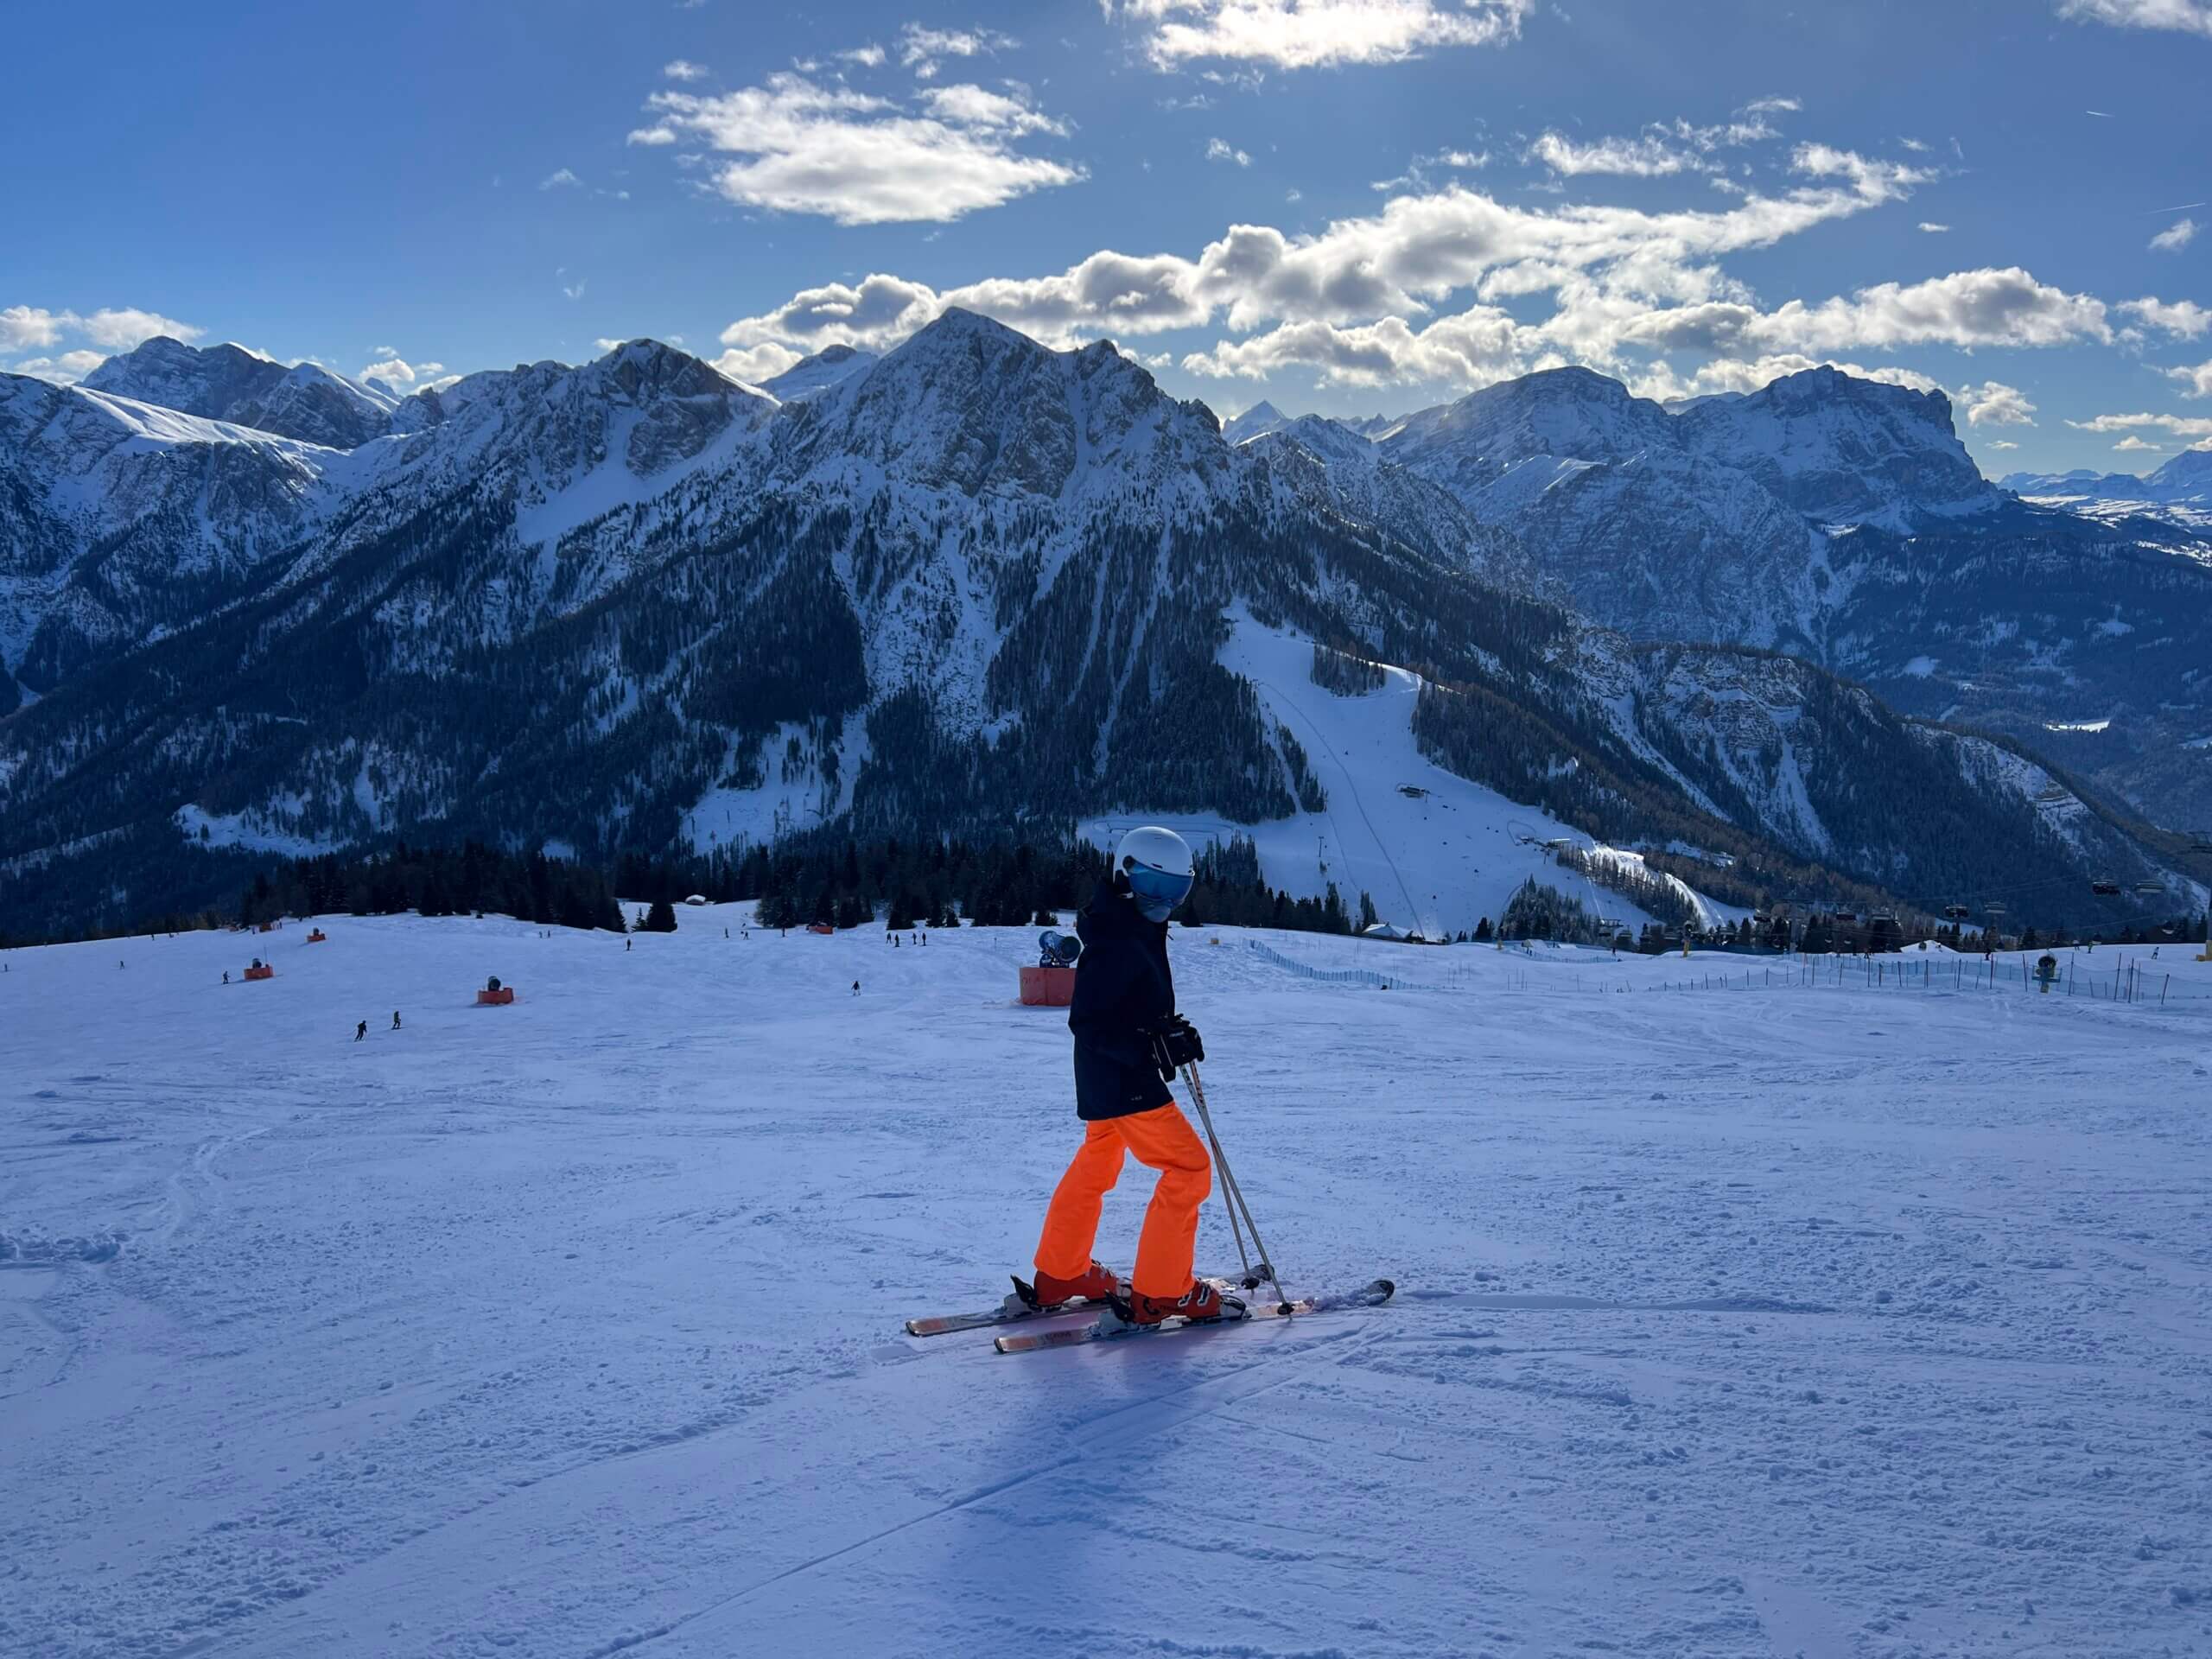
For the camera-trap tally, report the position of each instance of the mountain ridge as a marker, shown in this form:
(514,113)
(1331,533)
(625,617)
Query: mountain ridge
(977,584)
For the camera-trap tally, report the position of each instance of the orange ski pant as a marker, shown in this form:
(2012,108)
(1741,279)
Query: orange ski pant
(1161,1139)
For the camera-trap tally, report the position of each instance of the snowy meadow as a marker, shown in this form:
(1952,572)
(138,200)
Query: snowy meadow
(1769,1321)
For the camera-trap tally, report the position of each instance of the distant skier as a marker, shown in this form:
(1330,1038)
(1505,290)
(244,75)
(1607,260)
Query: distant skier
(361,1030)
(226,975)
(1127,1032)
(856,987)
(395,1019)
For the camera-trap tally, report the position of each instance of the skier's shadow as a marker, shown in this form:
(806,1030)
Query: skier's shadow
(1094,1429)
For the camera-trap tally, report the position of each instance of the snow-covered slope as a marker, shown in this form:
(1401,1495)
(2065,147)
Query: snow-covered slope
(119,519)
(1738,1316)
(242,388)
(818,372)
(1256,421)
(1436,853)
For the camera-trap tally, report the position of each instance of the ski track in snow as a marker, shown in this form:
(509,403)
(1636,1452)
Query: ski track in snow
(1768,1321)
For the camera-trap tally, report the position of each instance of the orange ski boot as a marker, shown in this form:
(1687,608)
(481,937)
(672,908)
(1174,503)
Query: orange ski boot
(1204,1303)
(1094,1284)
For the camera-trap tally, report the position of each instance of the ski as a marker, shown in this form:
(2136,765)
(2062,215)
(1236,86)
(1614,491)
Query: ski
(1370,1295)
(1014,1310)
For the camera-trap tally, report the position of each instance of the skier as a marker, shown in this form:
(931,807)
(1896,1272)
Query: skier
(361,1031)
(226,975)
(395,1019)
(1127,1034)
(856,987)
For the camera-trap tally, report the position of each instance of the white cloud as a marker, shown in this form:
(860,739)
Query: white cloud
(1220,150)
(1662,149)
(1933,229)
(560,179)
(1645,157)
(121,329)
(868,57)
(923,50)
(574,290)
(1967,309)
(2137,443)
(858,159)
(393,371)
(1993,403)
(1315,34)
(973,106)
(1418,170)
(1599,324)
(1613,267)
(2191,17)
(63,370)
(23,327)
(681,69)
(757,363)
(1773,106)
(2002,443)
(2175,236)
(2182,426)
(2182,318)
(2198,380)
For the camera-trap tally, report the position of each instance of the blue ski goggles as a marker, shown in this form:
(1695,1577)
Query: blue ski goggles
(1158,891)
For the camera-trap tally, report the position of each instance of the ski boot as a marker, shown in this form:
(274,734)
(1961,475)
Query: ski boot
(1094,1284)
(1204,1303)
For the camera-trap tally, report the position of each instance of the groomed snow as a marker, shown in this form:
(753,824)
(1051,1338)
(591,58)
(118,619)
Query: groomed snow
(1437,860)
(1752,1321)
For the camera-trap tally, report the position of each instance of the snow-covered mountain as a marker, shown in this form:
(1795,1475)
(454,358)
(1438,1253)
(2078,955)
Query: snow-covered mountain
(977,583)
(2186,477)
(120,520)
(817,373)
(1840,450)
(2177,495)
(1256,421)
(1841,520)
(242,388)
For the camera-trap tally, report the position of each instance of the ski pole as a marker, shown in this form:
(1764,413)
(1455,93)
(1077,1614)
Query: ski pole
(1234,1194)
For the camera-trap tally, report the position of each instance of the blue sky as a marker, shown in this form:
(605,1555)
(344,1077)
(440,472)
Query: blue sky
(1352,206)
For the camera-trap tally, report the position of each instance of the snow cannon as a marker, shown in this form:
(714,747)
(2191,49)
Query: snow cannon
(823,928)
(318,937)
(1051,984)
(260,970)
(494,994)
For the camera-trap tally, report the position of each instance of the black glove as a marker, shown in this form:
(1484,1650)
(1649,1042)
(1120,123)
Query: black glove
(1177,1044)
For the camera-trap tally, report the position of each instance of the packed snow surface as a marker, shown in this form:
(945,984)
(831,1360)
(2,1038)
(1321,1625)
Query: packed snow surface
(1856,1319)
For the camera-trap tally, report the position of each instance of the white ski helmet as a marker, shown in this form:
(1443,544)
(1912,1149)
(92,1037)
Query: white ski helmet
(1156,863)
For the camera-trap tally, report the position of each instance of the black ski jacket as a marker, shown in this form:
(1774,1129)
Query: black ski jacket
(1122,991)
